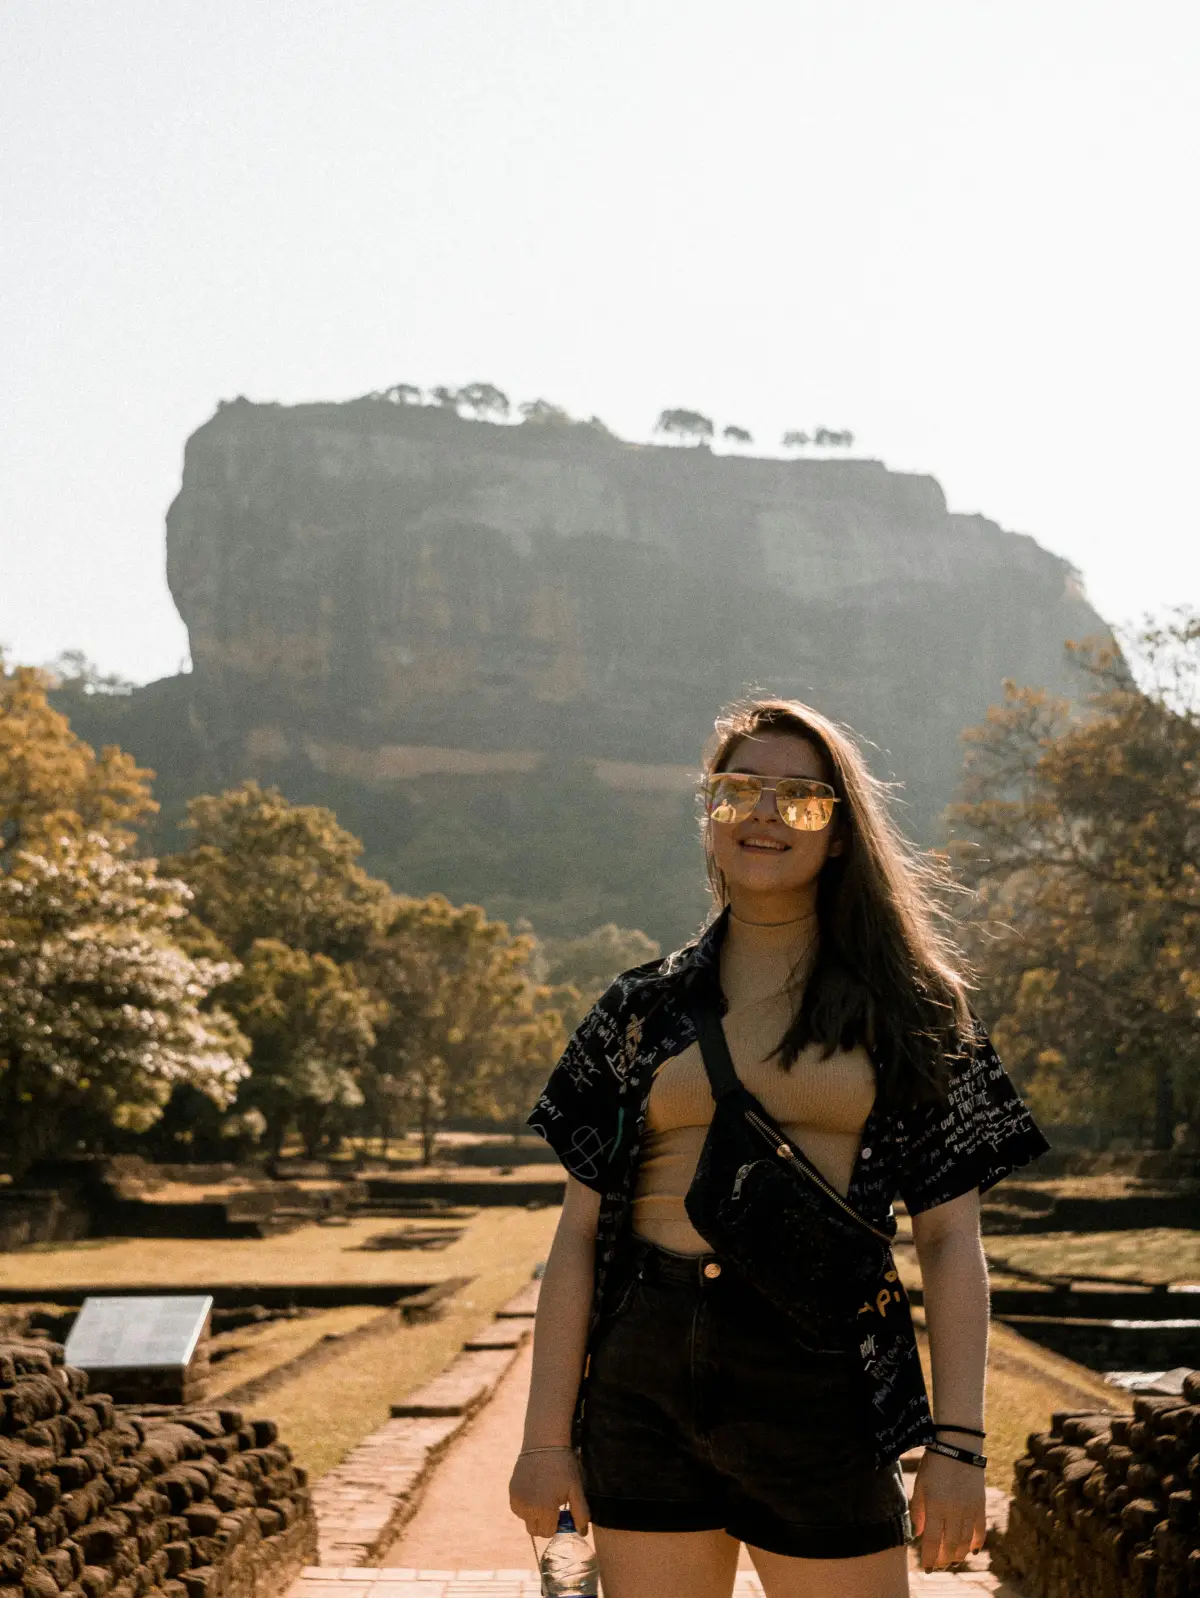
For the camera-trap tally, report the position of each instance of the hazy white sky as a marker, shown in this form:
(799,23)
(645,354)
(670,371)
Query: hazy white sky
(965,229)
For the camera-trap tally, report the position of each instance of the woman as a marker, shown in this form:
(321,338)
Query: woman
(672,1405)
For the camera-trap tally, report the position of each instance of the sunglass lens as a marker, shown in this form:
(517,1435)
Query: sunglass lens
(731,798)
(807,807)
(811,814)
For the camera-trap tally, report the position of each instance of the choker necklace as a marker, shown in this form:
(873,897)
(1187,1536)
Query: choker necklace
(795,921)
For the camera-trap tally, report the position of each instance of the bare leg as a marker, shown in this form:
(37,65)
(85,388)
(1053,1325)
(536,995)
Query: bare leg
(881,1575)
(666,1564)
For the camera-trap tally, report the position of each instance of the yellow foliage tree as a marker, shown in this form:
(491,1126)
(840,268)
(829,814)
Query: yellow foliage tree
(52,784)
(1081,832)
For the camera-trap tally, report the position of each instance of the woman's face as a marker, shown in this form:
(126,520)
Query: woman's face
(762,858)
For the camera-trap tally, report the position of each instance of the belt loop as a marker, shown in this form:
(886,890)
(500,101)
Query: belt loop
(641,1253)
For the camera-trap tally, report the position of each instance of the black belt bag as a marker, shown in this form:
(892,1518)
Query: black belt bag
(766,1208)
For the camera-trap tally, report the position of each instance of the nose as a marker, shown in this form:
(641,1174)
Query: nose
(766,809)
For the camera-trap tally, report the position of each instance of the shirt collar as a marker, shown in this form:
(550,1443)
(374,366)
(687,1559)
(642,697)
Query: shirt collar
(697,962)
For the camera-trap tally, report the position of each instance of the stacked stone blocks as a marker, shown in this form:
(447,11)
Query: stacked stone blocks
(1106,1505)
(99,1501)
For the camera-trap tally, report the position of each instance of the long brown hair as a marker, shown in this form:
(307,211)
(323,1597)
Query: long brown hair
(886,974)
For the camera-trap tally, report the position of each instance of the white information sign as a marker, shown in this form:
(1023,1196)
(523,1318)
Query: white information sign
(137,1333)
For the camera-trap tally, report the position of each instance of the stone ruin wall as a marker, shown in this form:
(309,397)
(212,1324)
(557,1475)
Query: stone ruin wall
(1105,1506)
(105,1501)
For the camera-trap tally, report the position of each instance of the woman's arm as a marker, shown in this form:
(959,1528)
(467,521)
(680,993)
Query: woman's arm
(542,1482)
(949,1501)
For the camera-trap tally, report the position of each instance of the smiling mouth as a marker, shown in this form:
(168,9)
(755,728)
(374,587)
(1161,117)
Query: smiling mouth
(766,845)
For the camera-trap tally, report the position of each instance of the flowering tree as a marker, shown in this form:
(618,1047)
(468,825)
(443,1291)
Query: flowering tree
(101,1013)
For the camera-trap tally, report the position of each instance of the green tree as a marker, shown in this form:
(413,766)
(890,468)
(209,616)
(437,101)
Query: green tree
(260,867)
(541,413)
(279,887)
(1081,832)
(484,400)
(75,673)
(52,784)
(403,394)
(455,983)
(578,970)
(527,1046)
(101,1013)
(311,1023)
(684,424)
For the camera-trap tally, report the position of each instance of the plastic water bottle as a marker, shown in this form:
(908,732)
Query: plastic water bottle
(568,1565)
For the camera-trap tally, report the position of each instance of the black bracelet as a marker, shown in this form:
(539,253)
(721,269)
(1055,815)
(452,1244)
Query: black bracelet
(967,1457)
(971,1431)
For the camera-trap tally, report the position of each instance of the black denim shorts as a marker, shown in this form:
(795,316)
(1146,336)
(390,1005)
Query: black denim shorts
(703,1410)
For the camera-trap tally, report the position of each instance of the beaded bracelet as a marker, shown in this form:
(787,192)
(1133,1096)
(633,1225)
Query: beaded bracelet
(951,1452)
(971,1431)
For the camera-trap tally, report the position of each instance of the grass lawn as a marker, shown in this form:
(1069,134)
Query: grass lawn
(1025,1385)
(312,1254)
(1156,1254)
(252,1351)
(323,1413)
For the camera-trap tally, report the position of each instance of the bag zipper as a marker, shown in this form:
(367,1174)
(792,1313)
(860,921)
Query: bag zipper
(786,1152)
(741,1177)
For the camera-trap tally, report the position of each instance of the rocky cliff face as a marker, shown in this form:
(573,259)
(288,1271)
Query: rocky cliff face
(461,634)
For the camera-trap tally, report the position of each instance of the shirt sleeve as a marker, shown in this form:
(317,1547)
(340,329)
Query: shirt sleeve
(982,1133)
(578,1111)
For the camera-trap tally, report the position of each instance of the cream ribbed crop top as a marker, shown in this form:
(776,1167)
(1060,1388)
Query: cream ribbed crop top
(822,1104)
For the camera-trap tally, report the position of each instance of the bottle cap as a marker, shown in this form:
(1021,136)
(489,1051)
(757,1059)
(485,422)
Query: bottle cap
(566,1521)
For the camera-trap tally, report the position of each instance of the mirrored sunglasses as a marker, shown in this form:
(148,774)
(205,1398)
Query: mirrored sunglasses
(803,804)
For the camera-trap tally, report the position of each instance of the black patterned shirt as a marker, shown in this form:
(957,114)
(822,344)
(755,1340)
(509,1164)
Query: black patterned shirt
(593,1112)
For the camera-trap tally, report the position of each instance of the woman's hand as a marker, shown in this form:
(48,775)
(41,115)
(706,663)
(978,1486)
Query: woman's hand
(949,1510)
(541,1484)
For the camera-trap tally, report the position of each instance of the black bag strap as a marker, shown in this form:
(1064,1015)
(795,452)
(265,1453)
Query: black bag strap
(714,1050)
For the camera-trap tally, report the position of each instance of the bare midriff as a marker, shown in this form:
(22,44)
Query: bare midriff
(822,1104)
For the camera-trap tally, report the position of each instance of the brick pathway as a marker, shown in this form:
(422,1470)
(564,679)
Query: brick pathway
(363,1503)
(323,1582)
